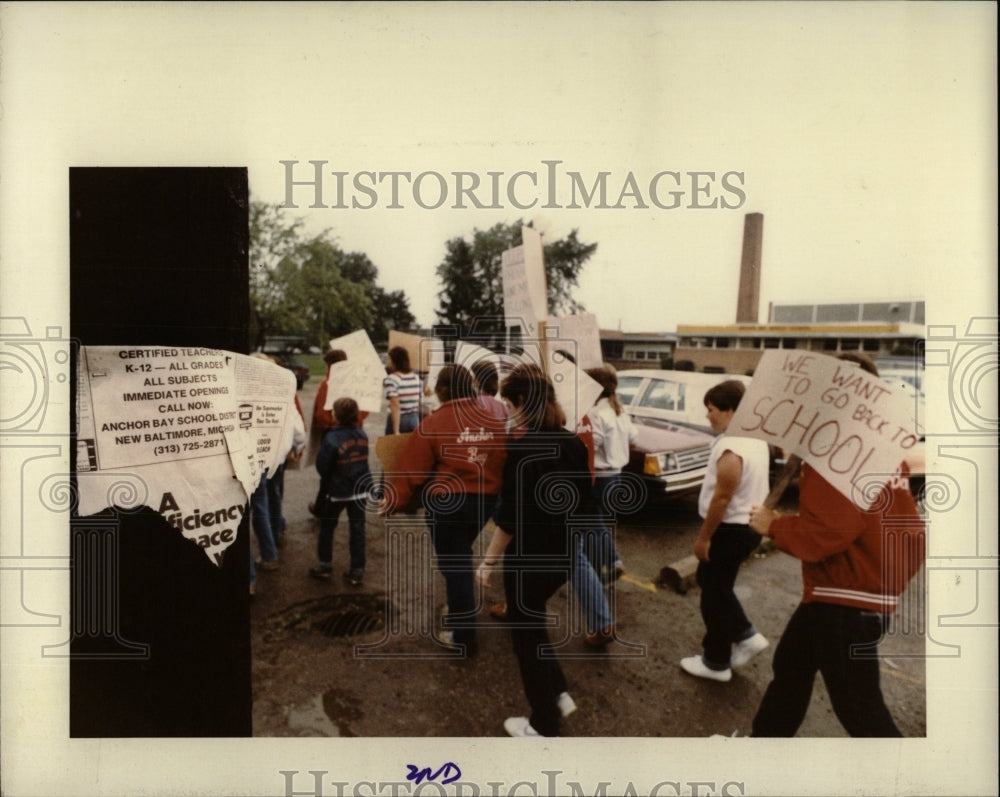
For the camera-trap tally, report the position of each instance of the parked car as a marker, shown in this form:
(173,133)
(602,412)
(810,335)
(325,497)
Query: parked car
(677,397)
(284,349)
(671,399)
(667,461)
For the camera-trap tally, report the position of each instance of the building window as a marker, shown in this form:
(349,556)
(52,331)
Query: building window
(830,344)
(722,343)
(640,355)
(772,343)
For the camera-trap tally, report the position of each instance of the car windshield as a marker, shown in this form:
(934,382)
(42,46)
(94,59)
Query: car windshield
(627,388)
(663,394)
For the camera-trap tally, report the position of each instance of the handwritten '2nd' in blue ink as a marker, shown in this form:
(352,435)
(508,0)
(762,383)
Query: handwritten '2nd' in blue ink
(450,771)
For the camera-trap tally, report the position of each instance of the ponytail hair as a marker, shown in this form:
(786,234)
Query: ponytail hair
(607,377)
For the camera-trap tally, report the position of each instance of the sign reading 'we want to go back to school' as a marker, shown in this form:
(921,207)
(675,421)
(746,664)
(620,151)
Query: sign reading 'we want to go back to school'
(851,426)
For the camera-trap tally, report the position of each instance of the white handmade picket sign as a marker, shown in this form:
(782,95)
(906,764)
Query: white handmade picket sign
(360,376)
(849,425)
(525,293)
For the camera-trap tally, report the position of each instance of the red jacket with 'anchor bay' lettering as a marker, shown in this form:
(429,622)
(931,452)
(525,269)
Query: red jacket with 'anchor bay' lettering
(458,448)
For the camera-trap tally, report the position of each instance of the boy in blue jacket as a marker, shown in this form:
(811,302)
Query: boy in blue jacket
(345,480)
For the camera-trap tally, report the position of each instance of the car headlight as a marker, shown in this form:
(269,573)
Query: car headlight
(658,464)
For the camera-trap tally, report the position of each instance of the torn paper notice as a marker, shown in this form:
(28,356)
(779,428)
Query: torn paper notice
(175,429)
(266,395)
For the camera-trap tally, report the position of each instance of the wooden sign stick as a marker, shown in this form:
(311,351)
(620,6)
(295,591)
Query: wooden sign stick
(792,465)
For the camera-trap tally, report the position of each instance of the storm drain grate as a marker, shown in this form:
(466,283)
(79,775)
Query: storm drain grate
(349,623)
(339,615)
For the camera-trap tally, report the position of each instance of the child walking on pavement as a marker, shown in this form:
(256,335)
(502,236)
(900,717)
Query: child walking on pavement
(345,480)
(737,479)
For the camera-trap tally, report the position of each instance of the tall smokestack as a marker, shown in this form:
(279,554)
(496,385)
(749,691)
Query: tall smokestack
(748,302)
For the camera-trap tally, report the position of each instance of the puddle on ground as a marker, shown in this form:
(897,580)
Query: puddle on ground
(328,714)
(311,720)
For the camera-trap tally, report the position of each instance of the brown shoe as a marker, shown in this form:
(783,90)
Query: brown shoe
(600,639)
(271,564)
(499,610)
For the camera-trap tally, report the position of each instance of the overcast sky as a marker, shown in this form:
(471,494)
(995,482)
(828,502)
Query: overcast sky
(865,135)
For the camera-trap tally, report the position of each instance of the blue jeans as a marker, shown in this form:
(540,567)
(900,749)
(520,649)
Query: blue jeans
(260,515)
(601,547)
(453,533)
(589,589)
(820,637)
(408,421)
(275,496)
(329,515)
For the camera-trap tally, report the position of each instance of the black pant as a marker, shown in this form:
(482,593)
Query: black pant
(527,591)
(725,620)
(821,636)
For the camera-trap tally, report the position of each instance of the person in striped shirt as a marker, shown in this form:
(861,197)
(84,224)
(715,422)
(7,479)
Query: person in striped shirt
(402,390)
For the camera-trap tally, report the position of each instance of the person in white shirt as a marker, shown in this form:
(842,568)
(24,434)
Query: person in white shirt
(737,479)
(613,434)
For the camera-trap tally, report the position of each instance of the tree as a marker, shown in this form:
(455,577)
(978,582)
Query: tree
(390,310)
(273,240)
(325,302)
(472,275)
(310,288)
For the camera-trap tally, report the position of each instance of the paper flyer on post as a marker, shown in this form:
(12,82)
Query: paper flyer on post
(187,432)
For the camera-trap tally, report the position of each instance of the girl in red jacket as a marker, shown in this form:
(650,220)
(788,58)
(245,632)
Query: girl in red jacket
(453,463)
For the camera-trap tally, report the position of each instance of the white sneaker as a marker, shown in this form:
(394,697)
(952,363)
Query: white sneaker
(447,639)
(747,649)
(566,704)
(694,665)
(520,726)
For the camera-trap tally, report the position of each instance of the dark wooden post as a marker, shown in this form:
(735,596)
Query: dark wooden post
(159,643)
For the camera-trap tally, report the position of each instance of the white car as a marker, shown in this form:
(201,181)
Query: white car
(671,397)
(676,399)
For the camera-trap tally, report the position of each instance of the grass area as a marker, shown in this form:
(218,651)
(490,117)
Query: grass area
(315,362)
